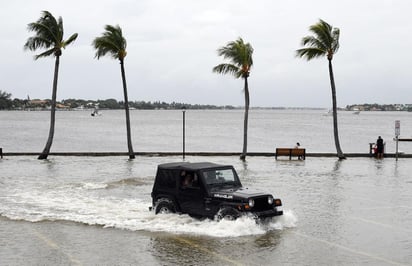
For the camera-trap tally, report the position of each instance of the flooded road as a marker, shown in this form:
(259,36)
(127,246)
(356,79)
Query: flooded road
(94,211)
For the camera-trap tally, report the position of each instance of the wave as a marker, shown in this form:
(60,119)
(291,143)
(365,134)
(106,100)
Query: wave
(128,214)
(127,182)
(167,223)
(118,204)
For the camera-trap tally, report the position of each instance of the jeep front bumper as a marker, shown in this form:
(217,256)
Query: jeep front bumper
(269,213)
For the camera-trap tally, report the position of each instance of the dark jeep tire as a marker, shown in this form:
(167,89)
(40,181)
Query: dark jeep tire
(227,213)
(164,206)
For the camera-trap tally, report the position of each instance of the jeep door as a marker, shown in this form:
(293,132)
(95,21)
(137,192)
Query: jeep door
(191,195)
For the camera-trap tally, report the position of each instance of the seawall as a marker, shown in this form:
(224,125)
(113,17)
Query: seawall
(261,154)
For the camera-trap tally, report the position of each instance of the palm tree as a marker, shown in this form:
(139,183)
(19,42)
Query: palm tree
(112,42)
(49,35)
(324,42)
(239,55)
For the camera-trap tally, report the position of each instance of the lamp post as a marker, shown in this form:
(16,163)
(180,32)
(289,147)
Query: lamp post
(184,133)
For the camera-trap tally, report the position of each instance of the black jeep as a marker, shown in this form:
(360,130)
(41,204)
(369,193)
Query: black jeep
(208,190)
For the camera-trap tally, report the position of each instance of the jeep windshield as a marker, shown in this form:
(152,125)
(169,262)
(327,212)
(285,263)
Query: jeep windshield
(221,178)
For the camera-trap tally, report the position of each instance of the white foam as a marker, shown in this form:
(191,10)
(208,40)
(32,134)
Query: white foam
(94,185)
(79,205)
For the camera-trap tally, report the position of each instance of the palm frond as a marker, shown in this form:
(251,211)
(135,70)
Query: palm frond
(43,35)
(311,41)
(105,46)
(239,54)
(70,40)
(45,54)
(322,32)
(111,42)
(60,29)
(48,33)
(227,68)
(47,26)
(324,41)
(335,36)
(33,43)
(52,25)
(310,53)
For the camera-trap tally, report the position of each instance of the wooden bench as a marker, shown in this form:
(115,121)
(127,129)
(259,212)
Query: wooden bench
(300,153)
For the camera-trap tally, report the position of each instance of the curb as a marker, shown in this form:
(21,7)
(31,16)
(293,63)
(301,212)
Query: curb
(161,154)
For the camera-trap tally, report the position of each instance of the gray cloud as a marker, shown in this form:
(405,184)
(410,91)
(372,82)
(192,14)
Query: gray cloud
(172,49)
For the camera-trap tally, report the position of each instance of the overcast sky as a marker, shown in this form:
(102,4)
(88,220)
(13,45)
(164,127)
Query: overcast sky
(172,50)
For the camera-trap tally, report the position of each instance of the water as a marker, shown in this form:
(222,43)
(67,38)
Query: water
(218,131)
(94,210)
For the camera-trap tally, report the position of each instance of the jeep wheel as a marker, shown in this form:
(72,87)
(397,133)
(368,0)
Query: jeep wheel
(164,206)
(227,214)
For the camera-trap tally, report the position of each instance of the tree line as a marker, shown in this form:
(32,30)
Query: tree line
(48,35)
(380,107)
(7,103)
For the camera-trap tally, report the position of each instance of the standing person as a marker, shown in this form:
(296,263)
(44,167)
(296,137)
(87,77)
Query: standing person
(298,147)
(379,147)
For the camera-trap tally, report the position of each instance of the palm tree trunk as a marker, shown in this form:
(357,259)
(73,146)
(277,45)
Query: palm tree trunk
(49,142)
(335,113)
(126,107)
(245,122)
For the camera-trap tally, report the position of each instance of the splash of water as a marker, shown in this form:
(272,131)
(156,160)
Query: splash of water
(78,204)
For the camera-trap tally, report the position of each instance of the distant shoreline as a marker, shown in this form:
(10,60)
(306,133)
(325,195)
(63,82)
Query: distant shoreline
(112,104)
(210,109)
(172,109)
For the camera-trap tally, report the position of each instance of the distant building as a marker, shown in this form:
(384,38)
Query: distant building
(62,106)
(37,102)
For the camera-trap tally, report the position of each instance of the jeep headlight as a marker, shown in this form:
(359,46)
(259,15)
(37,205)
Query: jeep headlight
(270,200)
(251,203)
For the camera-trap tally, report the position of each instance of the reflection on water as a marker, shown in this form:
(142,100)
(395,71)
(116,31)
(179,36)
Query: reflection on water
(189,250)
(337,165)
(379,164)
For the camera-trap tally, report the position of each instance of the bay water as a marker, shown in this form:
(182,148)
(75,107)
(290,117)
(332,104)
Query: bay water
(94,210)
(206,130)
